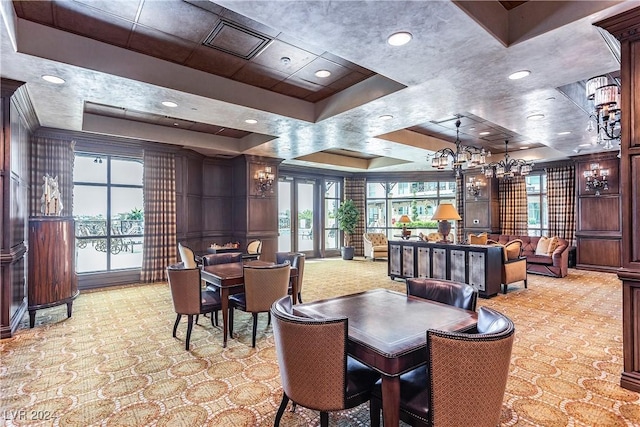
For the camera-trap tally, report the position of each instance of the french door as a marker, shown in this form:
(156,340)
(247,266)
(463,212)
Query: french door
(297,216)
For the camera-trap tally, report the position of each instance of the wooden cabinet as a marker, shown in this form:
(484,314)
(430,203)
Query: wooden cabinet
(481,210)
(477,265)
(52,274)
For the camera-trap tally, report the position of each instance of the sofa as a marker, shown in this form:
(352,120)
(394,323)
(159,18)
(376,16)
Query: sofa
(555,265)
(375,245)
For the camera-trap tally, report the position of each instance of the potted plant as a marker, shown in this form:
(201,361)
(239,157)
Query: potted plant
(347,217)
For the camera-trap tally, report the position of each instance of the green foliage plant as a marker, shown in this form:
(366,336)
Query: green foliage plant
(348,216)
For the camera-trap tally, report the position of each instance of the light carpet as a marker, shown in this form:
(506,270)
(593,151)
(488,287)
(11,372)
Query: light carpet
(115,363)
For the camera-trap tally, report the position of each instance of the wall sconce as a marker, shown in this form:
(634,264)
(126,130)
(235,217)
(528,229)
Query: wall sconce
(474,186)
(264,181)
(596,179)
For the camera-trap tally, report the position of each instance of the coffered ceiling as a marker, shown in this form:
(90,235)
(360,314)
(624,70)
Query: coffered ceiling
(382,108)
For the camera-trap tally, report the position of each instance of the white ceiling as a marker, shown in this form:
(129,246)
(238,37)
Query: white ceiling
(453,65)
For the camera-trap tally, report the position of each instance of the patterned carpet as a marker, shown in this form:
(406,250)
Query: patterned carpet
(115,363)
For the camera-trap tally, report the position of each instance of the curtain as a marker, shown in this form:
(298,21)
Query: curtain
(159,182)
(513,206)
(55,157)
(355,189)
(460,207)
(561,202)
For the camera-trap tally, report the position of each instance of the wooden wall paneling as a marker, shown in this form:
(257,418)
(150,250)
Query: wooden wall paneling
(626,28)
(594,253)
(262,216)
(599,214)
(482,212)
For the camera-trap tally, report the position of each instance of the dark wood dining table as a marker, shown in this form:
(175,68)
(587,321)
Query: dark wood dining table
(229,279)
(388,332)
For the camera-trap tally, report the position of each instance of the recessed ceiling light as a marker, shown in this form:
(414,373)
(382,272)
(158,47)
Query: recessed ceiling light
(535,117)
(399,38)
(323,73)
(386,117)
(169,104)
(564,133)
(53,79)
(251,121)
(519,75)
(484,133)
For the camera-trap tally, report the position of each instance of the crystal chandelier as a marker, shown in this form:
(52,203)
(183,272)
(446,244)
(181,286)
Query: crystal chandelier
(463,155)
(605,120)
(507,168)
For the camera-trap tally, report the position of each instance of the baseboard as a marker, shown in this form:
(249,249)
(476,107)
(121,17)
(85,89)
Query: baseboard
(630,381)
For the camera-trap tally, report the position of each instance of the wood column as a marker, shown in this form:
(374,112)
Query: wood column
(626,28)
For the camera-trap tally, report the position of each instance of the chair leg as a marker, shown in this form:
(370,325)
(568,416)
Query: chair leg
(293,406)
(197,317)
(216,315)
(504,288)
(189,328)
(374,412)
(231,310)
(324,419)
(300,297)
(525,283)
(283,406)
(268,318)
(212,318)
(255,326)
(175,327)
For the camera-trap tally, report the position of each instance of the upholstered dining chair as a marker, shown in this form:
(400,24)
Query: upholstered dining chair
(254,247)
(448,292)
(296,259)
(187,256)
(189,298)
(263,285)
(315,370)
(465,378)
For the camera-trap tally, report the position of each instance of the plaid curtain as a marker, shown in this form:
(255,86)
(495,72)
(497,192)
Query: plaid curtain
(159,189)
(460,207)
(53,156)
(354,189)
(513,206)
(561,202)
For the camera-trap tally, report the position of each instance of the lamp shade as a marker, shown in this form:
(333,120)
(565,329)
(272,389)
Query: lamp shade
(446,212)
(404,219)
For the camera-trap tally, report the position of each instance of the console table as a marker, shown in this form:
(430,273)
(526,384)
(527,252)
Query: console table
(477,265)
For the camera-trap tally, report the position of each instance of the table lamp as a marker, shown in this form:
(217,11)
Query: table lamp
(444,213)
(404,220)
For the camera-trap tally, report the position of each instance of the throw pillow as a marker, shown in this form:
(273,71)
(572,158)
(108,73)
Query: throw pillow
(479,239)
(553,244)
(543,246)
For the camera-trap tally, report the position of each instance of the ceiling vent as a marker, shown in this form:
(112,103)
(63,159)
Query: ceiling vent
(236,40)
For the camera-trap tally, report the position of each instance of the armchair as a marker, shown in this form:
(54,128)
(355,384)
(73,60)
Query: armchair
(375,245)
(296,259)
(448,292)
(514,266)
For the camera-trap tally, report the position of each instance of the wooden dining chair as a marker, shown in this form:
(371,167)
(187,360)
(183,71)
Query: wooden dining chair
(187,256)
(297,260)
(457,294)
(189,298)
(315,370)
(464,380)
(263,285)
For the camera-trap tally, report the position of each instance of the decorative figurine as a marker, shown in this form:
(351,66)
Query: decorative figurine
(51,199)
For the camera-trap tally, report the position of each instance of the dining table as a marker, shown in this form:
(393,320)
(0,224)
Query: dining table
(387,331)
(229,279)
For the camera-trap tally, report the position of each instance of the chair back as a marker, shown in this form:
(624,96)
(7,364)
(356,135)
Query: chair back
(263,285)
(222,258)
(185,288)
(254,247)
(448,292)
(469,391)
(312,359)
(296,259)
(187,256)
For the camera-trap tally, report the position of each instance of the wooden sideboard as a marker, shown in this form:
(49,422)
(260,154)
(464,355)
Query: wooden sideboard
(477,265)
(52,274)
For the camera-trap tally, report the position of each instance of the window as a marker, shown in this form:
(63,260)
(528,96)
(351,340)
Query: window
(332,196)
(538,220)
(387,201)
(108,211)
